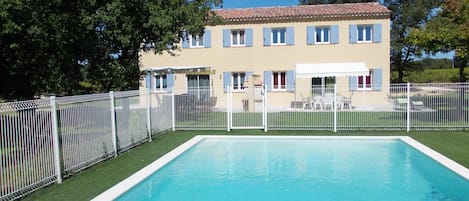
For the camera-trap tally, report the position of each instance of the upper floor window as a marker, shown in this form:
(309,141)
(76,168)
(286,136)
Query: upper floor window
(196,41)
(322,35)
(161,83)
(365,82)
(238,38)
(238,81)
(364,33)
(279,80)
(279,36)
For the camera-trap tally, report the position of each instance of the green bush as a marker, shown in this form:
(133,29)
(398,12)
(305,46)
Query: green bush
(432,75)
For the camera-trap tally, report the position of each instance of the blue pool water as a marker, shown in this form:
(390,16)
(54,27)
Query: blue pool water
(301,169)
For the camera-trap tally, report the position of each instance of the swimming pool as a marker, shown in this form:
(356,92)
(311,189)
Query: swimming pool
(297,168)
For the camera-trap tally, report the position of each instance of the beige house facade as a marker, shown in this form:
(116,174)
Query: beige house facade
(294,52)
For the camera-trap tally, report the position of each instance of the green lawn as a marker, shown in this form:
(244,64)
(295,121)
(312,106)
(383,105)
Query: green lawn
(97,179)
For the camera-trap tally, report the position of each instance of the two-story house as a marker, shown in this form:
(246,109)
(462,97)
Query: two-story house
(294,51)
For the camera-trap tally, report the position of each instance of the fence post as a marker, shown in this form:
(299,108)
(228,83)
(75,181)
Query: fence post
(264,108)
(408,107)
(56,140)
(113,122)
(149,114)
(335,108)
(173,110)
(228,109)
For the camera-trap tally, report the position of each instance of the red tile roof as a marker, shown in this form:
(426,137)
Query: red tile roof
(303,12)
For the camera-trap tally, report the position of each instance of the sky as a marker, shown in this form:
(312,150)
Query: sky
(257,3)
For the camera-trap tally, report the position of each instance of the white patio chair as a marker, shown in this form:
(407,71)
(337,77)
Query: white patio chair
(340,102)
(315,102)
(328,101)
(304,101)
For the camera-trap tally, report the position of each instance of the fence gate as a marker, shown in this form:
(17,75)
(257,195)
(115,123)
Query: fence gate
(248,108)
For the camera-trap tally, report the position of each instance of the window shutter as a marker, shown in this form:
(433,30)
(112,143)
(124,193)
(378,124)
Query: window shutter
(290,36)
(377,79)
(207,39)
(185,40)
(377,33)
(291,81)
(267,39)
(148,81)
(249,42)
(226,80)
(170,81)
(353,83)
(268,80)
(334,34)
(310,37)
(226,37)
(353,33)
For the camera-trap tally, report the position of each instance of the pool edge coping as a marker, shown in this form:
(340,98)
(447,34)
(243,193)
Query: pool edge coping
(129,182)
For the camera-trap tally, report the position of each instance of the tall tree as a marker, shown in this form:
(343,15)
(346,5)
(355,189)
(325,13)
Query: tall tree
(406,15)
(448,31)
(62,47)
(316,2)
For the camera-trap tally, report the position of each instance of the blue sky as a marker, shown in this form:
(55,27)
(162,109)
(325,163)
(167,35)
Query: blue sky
(257,3)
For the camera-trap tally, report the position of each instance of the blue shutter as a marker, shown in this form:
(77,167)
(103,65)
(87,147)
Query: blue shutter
(226,38)
(185,40)
(377,79)
(290,35)
(148,81)
(377,33)
(310,37)
(268,80)
(334,34)
(353,33)
(267,39)
(249,42)
(248,74)
(291,81)
(170,81)
(207,39)
(353,83)
(226,80)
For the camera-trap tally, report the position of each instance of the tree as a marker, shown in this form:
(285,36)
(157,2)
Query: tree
(316,2)
(61,47)
(448,31)
(407,15)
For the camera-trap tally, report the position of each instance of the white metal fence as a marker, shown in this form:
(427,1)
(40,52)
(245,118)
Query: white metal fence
(47,139)
(333,107)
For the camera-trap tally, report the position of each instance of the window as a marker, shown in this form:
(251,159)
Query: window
(279,80)
(322,35)
(364,82)
(238,81)
(199,86)
(196,41)
(279,36)
(364,33)
(161,83)
(238,38)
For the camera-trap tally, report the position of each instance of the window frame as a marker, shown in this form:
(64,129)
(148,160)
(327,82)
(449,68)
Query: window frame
(238,37)
(279,30)
(240,85)
(365,86)
(277,76)
(322,35)
(197,38)
(364,33)
(162,79)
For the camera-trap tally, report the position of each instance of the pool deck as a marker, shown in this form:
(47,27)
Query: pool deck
(123,186)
